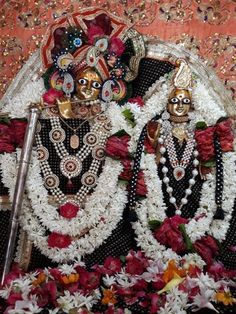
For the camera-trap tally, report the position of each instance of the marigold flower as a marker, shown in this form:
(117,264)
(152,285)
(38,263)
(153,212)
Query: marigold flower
(225,297)
(108,297)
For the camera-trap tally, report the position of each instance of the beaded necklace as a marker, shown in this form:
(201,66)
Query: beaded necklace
(71,165)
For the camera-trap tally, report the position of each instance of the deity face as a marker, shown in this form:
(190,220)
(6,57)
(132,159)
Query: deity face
(179,102)
(88,84)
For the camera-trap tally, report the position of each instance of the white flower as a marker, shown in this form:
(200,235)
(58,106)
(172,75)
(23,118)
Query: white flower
(109,280)
(203,300)
(67,269)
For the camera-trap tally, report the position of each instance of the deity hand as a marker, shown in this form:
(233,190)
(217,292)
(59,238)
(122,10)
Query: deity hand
(64,107)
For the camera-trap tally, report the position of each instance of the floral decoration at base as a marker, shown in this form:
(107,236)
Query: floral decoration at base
(121,285)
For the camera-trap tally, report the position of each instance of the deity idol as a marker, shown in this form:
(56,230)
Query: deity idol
(72,206)
(189,173)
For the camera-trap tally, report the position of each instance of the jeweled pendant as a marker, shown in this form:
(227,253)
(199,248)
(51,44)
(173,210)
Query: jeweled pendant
(69,184)
(74,141)
(178,173)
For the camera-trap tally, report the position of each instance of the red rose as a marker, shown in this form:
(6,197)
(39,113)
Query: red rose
(6,147)
(6,134)
(141,185)
(52,95)
(135,267)
(126,173)
(206,248)
(169,234)
(69,210)
(141,284)
(89,280)
(13,297)
(18,128)
(6,139)
(117,46)
(42,296)
(224,130)
(205,144)
(137,100)
(117,147)
(58,240)
(111,265)
(51,288)
(148,146)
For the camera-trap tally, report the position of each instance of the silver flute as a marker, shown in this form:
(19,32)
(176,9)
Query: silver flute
(34,113)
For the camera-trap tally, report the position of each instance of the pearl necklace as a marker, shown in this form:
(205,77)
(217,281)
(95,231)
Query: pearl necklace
(166,143)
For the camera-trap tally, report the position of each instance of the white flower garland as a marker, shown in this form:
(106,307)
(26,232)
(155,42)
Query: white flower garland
(153,208)
(104,210)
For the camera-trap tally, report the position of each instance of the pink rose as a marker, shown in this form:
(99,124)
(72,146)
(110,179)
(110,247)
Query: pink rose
(117,147)
(117,46)
(169,234)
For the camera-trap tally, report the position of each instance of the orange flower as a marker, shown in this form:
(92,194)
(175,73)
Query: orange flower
(171,271)
(40,279)
(225,297)
(68,279)
(108,297)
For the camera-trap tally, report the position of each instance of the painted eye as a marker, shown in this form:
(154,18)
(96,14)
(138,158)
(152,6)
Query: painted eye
(82,81)
(174,100)
(186,101)
(96,85)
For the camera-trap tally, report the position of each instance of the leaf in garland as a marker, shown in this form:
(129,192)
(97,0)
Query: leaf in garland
(5,119)
(187,240)
(201,125)
(154,224)
(222,119)
(209,164)
(122,258)
(123,182)
(129,116)
(120,133)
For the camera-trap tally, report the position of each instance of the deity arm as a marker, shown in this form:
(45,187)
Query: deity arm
(153,133)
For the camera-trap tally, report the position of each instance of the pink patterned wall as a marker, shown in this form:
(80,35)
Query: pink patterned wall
(207,27)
